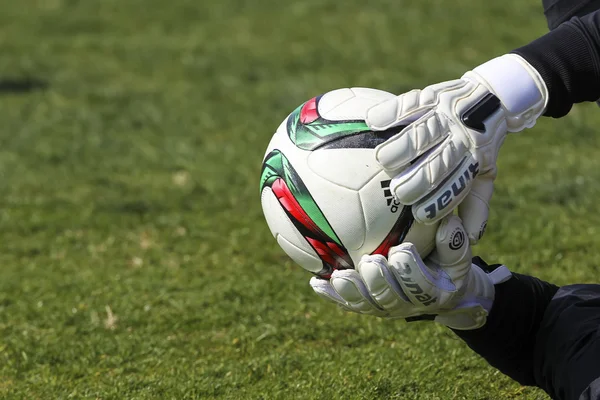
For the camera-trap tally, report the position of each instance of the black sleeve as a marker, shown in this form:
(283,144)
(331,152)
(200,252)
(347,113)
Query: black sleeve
(507,340)
(568,59)
(541,335)
(592,392)
(559,11)
(567,346)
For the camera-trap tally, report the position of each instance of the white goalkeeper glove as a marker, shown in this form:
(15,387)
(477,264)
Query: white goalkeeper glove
(446,154)
(446,286)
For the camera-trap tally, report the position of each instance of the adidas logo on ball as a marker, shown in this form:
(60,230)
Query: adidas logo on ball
(391,201)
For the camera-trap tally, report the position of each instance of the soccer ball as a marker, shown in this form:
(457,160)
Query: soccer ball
(325,198)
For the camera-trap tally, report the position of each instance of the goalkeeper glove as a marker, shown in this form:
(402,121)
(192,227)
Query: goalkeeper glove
(446,154)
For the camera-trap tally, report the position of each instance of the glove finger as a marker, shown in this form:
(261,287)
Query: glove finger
(413,141)
(475,209)
(382,284)
(351,288)
(323,288)
(408,107)
(401,110)
(453,251)
(425,287)
(443,193)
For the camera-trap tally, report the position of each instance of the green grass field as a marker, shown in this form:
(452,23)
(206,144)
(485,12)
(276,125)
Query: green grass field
(135,261)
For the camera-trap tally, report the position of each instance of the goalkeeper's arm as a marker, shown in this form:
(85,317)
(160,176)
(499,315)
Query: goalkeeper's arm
(543,336)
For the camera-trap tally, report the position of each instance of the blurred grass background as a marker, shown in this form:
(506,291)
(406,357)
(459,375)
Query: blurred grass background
(135,261)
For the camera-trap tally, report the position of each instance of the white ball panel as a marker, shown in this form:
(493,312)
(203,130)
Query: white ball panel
(342,209)
(356,107)
(307,261)
(284,230)
(350,168)
(374,94)
(333,99)
(379,218)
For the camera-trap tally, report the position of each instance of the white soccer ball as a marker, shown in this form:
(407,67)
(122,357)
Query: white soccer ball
(324,196)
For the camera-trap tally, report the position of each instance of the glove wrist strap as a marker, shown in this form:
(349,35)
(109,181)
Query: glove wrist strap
(478,299)
(518,85)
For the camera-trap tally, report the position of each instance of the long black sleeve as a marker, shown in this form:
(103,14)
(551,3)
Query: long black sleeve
(559,11)
(542,335)
(508,340)
(568,59)
(567,345)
